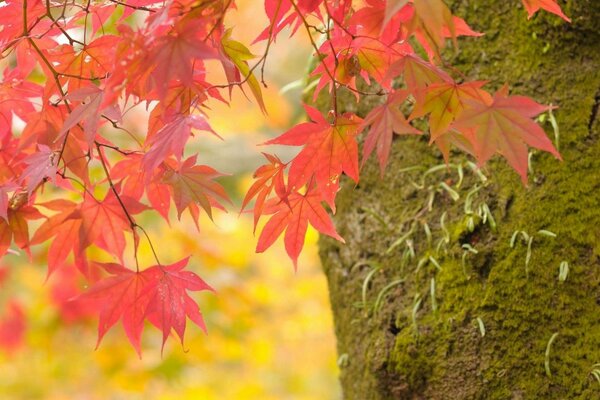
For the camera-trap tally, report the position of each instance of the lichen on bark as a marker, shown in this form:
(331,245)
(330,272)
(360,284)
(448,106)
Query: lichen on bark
(413,327)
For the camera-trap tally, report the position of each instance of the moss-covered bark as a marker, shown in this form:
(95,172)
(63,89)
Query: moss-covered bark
(398,338)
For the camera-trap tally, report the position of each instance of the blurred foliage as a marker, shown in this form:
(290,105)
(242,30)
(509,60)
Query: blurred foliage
(270,329)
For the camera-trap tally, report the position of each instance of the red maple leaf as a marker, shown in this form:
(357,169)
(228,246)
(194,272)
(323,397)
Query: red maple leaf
(15,226)
(158,293)
(104,223)
(40,165)
(385,120)
(193,185)
(64,227)
(120,297)
(169,303)
(504,125)
(329,150)
(445,101)
(268,177)
(532,6)
(294,217)
(171,139)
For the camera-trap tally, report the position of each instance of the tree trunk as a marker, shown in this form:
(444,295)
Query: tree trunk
(418,314)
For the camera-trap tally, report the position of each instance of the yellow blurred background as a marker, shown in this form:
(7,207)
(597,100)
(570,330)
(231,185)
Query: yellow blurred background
(270,329)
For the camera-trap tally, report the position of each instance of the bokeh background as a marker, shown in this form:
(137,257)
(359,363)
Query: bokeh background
(270,328)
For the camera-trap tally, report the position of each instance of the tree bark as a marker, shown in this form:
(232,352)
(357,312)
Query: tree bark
(444,322)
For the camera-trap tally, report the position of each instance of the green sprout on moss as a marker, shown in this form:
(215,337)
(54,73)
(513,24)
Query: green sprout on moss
(467,249)
(553,123)
(415,310)
(445,230)
(383,292)
(453,193)
(596,372)
(428,234)
(427,259)
(477,171)
(435,263)
(529,240)
(365,285)
(434,306)
(547,355)
(481,326)
(343,360)
(400,240)
(563,271)
(486,215)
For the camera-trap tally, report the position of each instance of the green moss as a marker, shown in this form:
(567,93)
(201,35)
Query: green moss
(445,356)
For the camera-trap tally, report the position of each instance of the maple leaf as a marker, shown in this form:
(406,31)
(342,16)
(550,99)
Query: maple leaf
(329,150)
(122,296)
(240,55)
(133,184)
(268,177)
(88,112)
(64,227)
(14,95)
(294,217)
(385,120)
(433,16)
(171,139)
(5,189)
(15,227)
(391,8)
(93,61)
(444,102)
(417,73)
(173,57)
(532,6)
(193,184)
(504,125)
(75,227)
(169,303)
(40,165)
(158,293)
(104,222)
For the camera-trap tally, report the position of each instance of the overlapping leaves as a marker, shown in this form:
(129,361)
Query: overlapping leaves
(74,73)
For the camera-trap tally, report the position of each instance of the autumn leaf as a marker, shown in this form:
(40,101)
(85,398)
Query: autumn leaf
(391,8)
(417,73)
(174,57)
(169,302)
(445,101)
(329,150)
(193,184)
(171,139)
(293,218)
(63,227)
(505,126)
(87,113)
(15,226)
(240,55)
(40,165)
(268,177)
(532,6)
(158,293)
(104,223)
(121,296)
(384,121)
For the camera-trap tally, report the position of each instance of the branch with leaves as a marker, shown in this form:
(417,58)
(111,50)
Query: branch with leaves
(71,71)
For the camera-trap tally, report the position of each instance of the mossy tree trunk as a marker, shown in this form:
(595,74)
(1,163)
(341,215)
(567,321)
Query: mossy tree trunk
(418,314)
